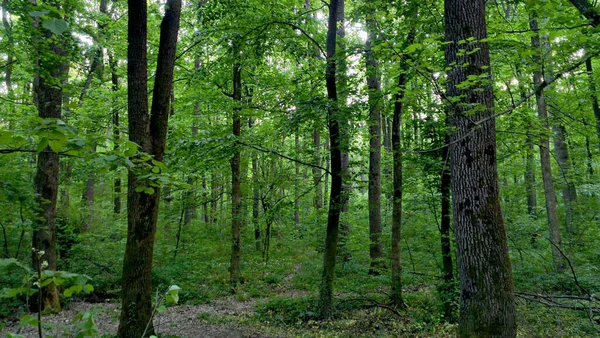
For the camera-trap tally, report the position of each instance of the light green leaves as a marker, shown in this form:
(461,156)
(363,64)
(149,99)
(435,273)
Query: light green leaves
(173,294)
(56,26)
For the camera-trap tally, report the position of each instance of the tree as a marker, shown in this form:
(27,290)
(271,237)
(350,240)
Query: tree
(150,133)
(487,304)
(48,89)
(325,302)
(375,107)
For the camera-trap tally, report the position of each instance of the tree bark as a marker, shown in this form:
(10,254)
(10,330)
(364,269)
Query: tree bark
(325,302)
(551,213)
(316,136)
(593,96)
(150,133)
(487,303)
(446,221)
(49,104)
(235,274)
(116,130)
(375,103)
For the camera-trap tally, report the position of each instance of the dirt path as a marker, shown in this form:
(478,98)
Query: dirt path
(222,318)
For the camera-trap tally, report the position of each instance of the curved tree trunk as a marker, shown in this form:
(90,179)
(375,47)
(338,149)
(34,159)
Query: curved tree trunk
(487,303)
(325,302)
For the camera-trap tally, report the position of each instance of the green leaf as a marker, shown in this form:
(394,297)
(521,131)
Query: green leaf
(140,188)
(42,145)
(5,137)
(173,294)
(37,14)
(56,26)
(56,146)
(28,320)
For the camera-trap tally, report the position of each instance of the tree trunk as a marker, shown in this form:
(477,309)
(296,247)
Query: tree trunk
(88,199)
(235,275)
(569,192)
(49,104)
(396,254)
(375,103)
(325,302)
(530,178)
(116,130)
(593,96)
(150,133)
(487,304)
(553,225)
(316,136)
(447,266)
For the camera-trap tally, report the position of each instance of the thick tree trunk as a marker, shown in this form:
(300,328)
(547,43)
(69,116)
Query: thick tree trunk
(235,274)
(375,103)
(487,304)
(49,104)
(150,132)
(553,224)
(325,302)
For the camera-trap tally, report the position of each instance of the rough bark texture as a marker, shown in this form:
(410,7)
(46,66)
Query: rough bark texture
(48,91)
(593,96)
(235,274)
(375,104)
(325,302)
(544,145)
(487,303)
(149,132)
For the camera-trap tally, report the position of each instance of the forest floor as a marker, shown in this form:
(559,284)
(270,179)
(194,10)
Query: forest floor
(221,318)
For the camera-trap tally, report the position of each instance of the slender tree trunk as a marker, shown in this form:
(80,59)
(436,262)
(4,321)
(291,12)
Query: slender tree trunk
(316,136)
(569,192)
(9,58)
(116,130)
(553,224)
(150,133)
(487,304)
(530,177)
(325,302)
(593,96)
(88,199)
(396,254)
(375,103)
(297,186)
(447,266)
(49,104)
(235,274)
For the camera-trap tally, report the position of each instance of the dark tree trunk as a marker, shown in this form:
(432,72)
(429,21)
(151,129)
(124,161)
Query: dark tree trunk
(593,96)
(375,103)
(396,254)
(235,274)
(447,266)
(88,199)
(150,133)
(553,224)
(116,130)
(325,302)
(49,104)
(487,303)
(316,136)
(297,186)
(569,192)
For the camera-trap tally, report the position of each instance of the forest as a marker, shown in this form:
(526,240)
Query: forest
(299,168)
